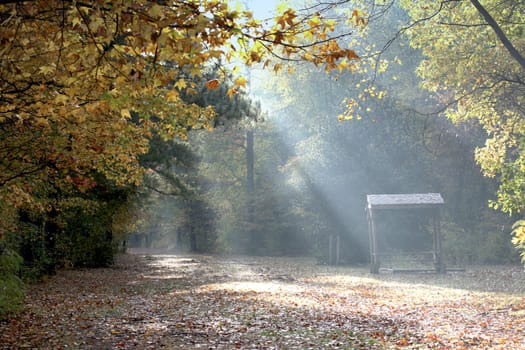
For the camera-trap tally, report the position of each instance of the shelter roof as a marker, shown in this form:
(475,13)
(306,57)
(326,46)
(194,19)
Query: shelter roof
(403,201)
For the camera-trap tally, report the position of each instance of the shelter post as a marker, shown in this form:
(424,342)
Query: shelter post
(374,259)
(438,257)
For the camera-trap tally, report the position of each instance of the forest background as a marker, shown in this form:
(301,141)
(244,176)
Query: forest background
(198,128)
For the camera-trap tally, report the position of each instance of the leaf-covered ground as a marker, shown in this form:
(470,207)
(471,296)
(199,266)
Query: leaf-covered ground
(167,301)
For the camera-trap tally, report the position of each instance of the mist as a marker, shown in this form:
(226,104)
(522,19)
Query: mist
(312,170)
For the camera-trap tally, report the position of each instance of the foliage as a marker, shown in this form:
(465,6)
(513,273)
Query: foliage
(475,77)
(519,237)
(169,164)
(79,229)
(73,73)
(33,244)
(401,144)
(11,286)
(179,211)
(478,244)
(87,240)
(86,89)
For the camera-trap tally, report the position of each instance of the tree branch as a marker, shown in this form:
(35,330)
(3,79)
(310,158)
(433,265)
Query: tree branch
(500,34)
(10,178)
(161,192)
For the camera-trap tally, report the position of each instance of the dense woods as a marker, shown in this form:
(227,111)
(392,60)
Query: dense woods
(194,126)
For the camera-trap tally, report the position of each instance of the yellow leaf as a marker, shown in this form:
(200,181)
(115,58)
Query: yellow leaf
(281,20)
(330,24)
(180,84)
(61,99)
(76,21)
(156,11)
(125,113)
(290,16)
(309,35)
(172,96)
(241,81)
(342,65)
(232,92)
(308,56)
(314,22)
(42,122)
(47,69)
(255,56)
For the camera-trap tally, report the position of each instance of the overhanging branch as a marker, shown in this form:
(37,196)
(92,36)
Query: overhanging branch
(500,34)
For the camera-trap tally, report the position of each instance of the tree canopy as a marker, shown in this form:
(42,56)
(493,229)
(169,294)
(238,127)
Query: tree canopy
(92,93)
(84,85)
(475,68)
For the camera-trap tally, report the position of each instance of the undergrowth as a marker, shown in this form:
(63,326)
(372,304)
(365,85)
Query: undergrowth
(11,286)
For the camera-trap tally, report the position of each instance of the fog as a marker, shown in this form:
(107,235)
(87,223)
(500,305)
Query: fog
(312,171)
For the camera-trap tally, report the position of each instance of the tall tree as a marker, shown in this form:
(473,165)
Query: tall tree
(475,68)
(84,86)
(72,74)
(401,144)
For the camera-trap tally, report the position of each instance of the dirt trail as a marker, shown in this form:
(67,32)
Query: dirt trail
(150,300)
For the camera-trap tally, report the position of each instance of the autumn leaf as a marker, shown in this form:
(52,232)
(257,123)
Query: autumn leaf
(172,96)
(343,64)
(260,301)
(232,91)
(286,19)
(212,84)
(240,82)
(181,84)
(41,122)
(125,113)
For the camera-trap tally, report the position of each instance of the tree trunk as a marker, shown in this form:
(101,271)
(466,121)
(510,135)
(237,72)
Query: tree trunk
(250,183)
(191,228)
(250,187)
(193,239)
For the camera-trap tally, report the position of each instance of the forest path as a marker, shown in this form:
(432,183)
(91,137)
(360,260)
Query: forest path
(150,300)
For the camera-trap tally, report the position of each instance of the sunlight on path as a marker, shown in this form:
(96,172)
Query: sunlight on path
(153,300)
(396,310)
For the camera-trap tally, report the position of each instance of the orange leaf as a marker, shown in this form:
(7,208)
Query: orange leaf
(212,84)
(232,92)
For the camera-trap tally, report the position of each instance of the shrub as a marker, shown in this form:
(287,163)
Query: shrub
(87,240)
(11,286)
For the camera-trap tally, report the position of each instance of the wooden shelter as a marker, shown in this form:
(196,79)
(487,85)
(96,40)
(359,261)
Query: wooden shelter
(379,202)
